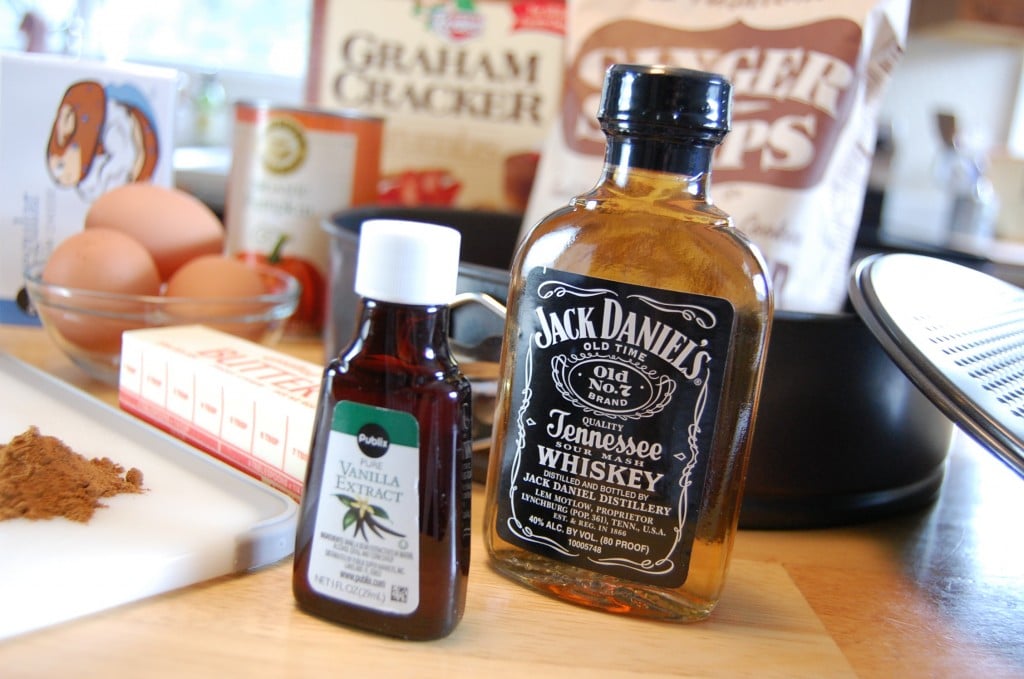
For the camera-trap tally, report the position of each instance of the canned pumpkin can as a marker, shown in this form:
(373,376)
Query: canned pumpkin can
(290,168)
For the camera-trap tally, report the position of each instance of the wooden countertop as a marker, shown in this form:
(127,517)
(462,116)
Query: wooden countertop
(937,593)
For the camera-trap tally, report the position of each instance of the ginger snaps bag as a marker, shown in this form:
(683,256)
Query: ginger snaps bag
(807,79)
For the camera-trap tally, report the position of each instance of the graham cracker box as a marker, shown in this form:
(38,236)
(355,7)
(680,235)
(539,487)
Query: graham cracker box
(244,403)
(467,88)
(70,130)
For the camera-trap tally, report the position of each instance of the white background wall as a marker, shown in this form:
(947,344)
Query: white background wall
(975,74)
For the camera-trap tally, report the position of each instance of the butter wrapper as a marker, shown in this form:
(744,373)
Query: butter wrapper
(244,403)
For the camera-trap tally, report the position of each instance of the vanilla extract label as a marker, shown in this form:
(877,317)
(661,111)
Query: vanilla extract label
(365,550)
(613,411)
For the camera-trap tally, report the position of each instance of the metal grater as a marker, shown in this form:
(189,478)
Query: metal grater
(958,334)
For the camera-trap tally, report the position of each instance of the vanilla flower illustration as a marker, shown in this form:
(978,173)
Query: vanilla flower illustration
(363,515)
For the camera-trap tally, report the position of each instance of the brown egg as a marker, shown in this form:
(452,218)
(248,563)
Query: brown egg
(99,260)
(211,282)
(173,225)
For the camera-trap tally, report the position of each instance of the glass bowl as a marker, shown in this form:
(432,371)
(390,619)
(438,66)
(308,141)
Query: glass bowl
(87,325)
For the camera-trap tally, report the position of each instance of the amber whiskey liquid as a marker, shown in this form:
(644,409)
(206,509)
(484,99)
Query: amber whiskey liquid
(635,337)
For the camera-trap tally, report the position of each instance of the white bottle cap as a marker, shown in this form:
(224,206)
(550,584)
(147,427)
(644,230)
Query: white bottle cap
(406,262)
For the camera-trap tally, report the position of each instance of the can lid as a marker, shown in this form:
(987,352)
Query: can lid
(407,262)
(665,100)
(956,333)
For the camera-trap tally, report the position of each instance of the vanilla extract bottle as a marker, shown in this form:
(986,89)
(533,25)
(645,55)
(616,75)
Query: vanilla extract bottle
(384,523)
(638,318)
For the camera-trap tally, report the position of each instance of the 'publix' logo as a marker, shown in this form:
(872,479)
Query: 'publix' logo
(452,19)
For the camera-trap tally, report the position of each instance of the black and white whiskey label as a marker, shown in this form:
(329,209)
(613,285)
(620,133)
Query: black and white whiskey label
(613,410)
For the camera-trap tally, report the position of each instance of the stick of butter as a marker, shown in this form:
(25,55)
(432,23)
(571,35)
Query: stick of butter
(244,403)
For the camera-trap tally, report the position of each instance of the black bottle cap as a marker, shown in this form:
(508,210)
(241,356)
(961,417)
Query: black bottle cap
(662,100)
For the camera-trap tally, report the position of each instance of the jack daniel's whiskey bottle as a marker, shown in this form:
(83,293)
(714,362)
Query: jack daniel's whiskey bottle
(637,325)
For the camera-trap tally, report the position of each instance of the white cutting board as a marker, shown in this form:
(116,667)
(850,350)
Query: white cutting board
(198,518)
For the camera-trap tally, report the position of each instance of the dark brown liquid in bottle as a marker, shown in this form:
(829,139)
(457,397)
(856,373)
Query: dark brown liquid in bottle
(401,362)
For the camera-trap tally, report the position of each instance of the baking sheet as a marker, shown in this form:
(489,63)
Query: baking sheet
(198,518)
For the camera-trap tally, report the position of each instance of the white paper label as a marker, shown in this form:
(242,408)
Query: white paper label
(365,548)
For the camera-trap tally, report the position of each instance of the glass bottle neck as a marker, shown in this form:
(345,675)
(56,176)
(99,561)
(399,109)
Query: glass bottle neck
(685,159)
(413,334)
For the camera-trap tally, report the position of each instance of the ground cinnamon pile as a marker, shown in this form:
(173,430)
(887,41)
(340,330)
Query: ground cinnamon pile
(42,478)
